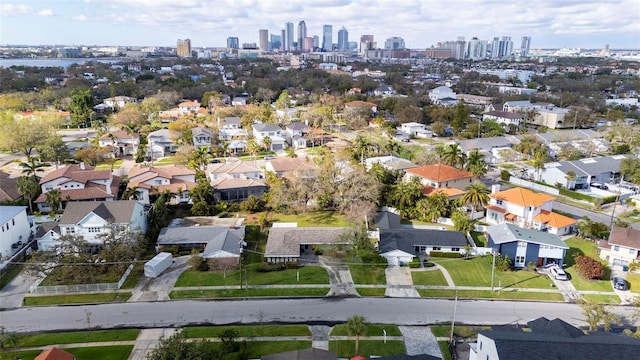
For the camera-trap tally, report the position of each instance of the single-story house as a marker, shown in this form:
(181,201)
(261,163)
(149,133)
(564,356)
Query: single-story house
(400,246)
(288,243)
(524,246)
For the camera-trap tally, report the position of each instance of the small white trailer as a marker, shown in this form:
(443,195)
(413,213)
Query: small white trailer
(159,263)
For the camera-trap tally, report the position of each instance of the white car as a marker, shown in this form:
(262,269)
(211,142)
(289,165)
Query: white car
(558,273)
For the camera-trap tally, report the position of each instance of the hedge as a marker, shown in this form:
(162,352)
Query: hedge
(588,267)
(443,254)
(576,195)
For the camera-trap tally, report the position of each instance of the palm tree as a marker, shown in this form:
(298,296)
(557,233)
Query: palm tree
(253,147)
(405,195)
(539,159)
(224,147)
(476,164)
(266,143)
(356,325)
(476,195)
(31,167)
(131,193)
(453,156)
(200,157)
(53,199)
(571,176)
(28,187)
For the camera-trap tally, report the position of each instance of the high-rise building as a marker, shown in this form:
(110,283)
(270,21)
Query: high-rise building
(316,42)
(264,39)
(288,39)
(476,49)
(275,42)
(302,33)
(283,39)
(505,47)
(366,43)
(525,43)
(394,43)
(233,43)
(343,39)
(184,48)
(327,37)
(495,48)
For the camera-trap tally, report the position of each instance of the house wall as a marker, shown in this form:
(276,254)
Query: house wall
(239,194)
(619,255)
(48,241)
(486,349)
(397,258)
(16,230)
(223,263)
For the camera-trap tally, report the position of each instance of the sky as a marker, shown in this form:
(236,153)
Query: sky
(421,23)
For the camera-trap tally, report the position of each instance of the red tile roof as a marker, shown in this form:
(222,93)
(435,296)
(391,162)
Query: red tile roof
(55,354)
(522,197)
(439,172)
(554,220)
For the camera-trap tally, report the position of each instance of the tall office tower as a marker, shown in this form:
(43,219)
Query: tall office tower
(327,37)
(525,43)
(505,47)
(495,48)
(316,42)
(366,43)
(283,39)
(394,43)
(302,33)
(288,39)
(476,49)
(308,44)
(275,42)
(264,39)
(233,43)
(184,48)
(343,39)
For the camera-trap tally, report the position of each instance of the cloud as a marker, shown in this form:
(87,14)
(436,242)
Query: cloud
(81,17)
(14,10)
(45,12)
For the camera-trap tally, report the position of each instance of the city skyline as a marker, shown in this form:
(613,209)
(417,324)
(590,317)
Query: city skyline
(551,23)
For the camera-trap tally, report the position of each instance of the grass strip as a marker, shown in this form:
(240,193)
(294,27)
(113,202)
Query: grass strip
(488,294)
(76,299)
(370,330)
(368,274)
(72,337)
(373,292)
(431,277)
(230,293)
(346,348)
(247,331)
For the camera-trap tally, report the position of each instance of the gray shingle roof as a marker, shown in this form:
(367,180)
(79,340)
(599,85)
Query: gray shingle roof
(406,239)
(286,241)
(216,238)
(386,220)
(506,233)
(266,127)
(593,166)
(117,212)
(304,354)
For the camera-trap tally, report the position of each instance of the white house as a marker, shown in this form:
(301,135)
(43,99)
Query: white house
(91,219)
(189,107)
(202,138)
(296,135)
(150,181)
(443,95)
(16,230)
(274,132)
(527,209)
(230,128)
(503,117)
(119,102)
(603,170)
(160,143)
(120,143)
(622,248)
(416,129)
(235,170)
(47,236)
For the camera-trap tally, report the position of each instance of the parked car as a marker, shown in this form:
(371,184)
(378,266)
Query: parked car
(558,273)
(619,283)
(215,161)
(269,157)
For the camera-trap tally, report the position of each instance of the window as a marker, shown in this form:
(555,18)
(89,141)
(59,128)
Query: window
(522,244)
(616,248)
(93,229)
(158,182)
(499,202)
(455,249)
(436,248)
(519,259)
(71,231)
(631,251)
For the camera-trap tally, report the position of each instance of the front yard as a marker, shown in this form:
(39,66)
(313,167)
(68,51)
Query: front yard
(368,274)
(309,219)
(428,277)
(251,276)
(588,248)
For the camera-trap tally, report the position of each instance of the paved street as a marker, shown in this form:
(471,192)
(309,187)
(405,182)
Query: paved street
(378,310)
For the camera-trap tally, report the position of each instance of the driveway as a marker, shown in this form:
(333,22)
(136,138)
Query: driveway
(13,293)
(566,288)
(626,296)
(157,289)
(399,282)
(339,278)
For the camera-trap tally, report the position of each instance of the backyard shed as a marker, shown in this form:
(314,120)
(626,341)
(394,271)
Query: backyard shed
(159,263)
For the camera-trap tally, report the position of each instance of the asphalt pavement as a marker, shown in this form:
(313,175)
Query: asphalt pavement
(302,311)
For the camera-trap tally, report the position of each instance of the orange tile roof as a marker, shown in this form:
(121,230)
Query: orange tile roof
(554,220)
(496,208)
(439,172)
(522,197)
(510,216)
(448,192)
(55,354)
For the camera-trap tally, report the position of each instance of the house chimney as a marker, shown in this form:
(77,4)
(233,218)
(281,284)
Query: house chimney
(82,166)
(495,188)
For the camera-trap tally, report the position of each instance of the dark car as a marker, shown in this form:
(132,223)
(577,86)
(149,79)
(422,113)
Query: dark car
(619,283)
(215,161)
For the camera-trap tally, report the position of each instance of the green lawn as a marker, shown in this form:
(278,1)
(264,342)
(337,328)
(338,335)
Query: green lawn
(347,348)
(479,238)
(588,248)
(7,276)
(431,277)
(105,166)
(464,331)
(487,294)
(311,218)
(76,299)
(71,337)
(62,276)
(164,161)
(368,274)
(444,349)
(604,299)
(370,330)
(214,294)
(308,275)
(117,352)
(634,282)
(477,272)
(377,292)
(248,331)
(132,280)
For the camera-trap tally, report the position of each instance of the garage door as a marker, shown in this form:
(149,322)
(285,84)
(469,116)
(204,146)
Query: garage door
(277,147)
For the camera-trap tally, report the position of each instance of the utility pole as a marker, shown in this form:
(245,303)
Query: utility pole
(493,269)
(241,268)
(453,322)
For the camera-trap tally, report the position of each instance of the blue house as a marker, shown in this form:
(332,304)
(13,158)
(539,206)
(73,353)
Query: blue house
(523,246)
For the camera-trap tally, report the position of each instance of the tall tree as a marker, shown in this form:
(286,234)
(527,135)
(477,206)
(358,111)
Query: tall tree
(460,117)
(405,195)
(53,150)
(31,167)
(453,156)
(28,187)
(356,326)
(253,147)
(476,165)
(53,199)
(81,107)
(266,143)
(476,195)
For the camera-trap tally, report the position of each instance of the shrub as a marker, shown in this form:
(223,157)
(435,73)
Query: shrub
(505,175)
(588,267)
(443,254)
(415,263)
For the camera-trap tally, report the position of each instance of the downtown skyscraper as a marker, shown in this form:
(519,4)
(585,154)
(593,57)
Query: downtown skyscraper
(288,38)
(302,34)
(343,39)
(525,44)
(264,39)
(327,37)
